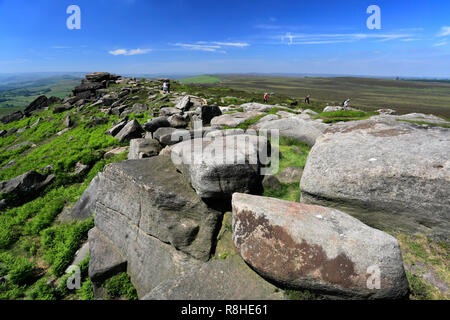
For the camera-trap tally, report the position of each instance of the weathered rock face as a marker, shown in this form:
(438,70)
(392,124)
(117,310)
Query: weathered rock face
(85,205)
(154,219)
(24,187)
(311,247)
(253,106)
(229,279)
(221,166)
(130,131)
(143,148)
(154,124)
(153,197)
(184,103)
(101,76)
(177,121)
(386,173)
(39,103)
(306,131)
(105,260)
(171,136)
(233,120)
(11,117)
(116,128)
(169,111)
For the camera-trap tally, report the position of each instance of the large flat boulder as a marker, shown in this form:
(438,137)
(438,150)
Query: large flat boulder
(153,198)
(234,119)
(229,279)
(306,131)
(317,248)
(387,173)
(218,167)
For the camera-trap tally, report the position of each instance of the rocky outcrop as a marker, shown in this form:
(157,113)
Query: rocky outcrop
(306,131)
(154,219)
(154,124)
(24,187)
(229,279)
(184,103)
(105,260)
(218,167)
(85,206)
(131,130)
(386,173)
(154,198)
(233,120)
(15,116)
(143,148)
(316,248)
(40,102)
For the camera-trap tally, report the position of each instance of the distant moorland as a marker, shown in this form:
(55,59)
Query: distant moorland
(17,92)
(365,93)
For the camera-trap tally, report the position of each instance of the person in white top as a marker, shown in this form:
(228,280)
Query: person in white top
(346,103)
(165,87)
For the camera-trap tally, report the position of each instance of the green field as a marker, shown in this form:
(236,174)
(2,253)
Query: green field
(366,93)
(18,96)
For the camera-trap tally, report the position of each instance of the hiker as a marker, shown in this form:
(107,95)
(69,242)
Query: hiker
(266,97)
(308,99)
(165,87)
(168,86)
(346,103)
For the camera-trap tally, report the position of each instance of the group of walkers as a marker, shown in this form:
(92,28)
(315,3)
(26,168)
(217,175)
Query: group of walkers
(345,104)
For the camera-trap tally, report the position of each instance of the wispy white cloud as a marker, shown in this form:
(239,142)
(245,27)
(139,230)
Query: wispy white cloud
(440,44)
(214,46)
(267,27)
(232,44)
(305,39)
(445,31)
(131,52)
(61,47)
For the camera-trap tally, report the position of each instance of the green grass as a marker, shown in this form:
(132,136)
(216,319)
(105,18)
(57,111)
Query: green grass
(345,115)
(59,243)
(422,255)
(120,286)
(200,79)
(289,157)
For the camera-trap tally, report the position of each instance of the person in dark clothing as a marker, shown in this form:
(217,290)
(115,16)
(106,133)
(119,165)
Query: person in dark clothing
(168,86)
(308,99)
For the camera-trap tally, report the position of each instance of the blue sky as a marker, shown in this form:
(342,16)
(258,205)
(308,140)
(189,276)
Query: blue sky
(229,36)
